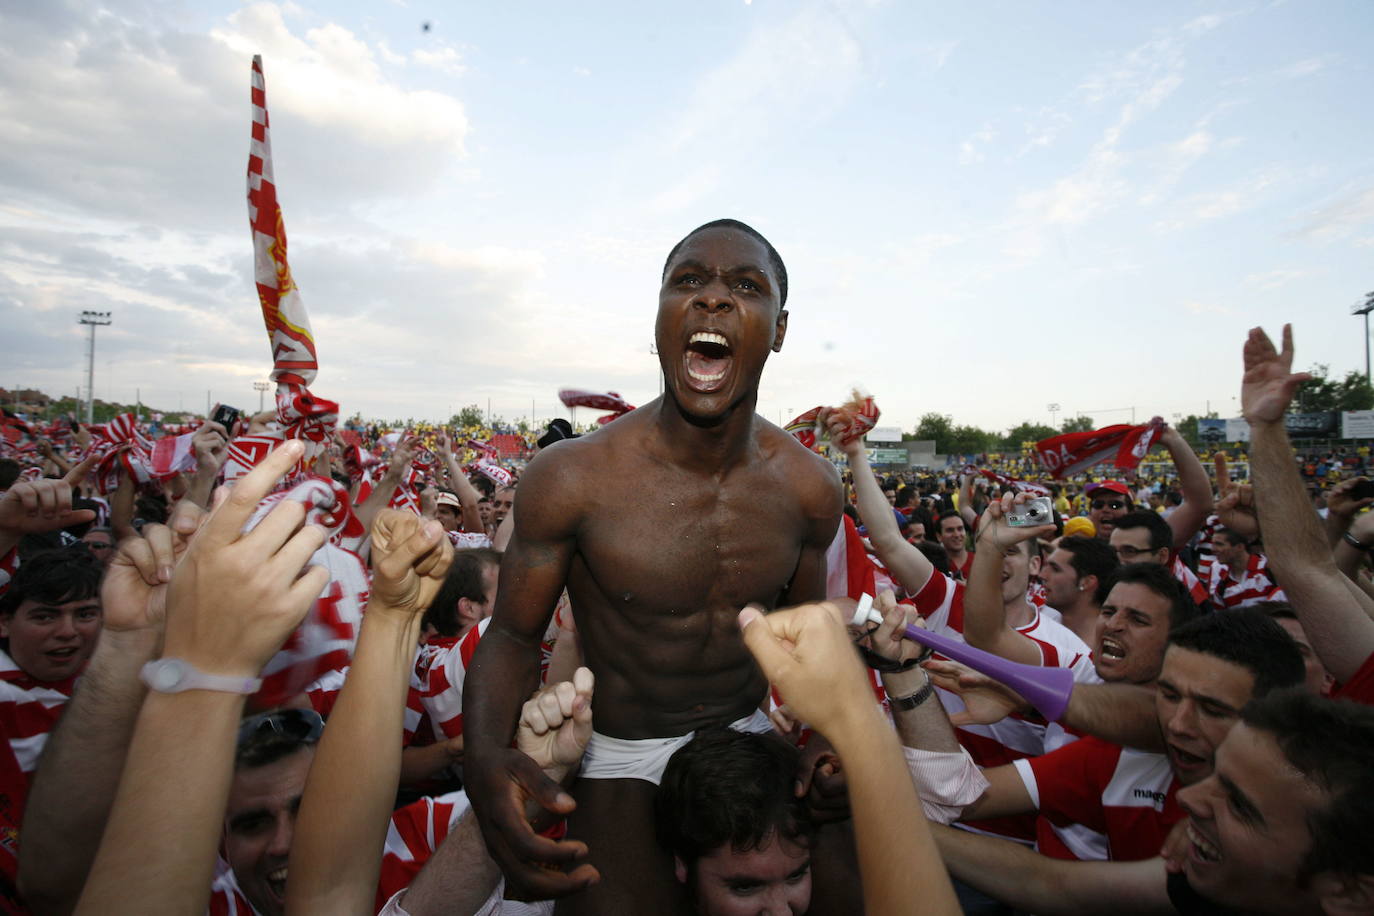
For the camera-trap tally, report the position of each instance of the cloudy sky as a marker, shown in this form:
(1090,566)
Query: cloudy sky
(984,207)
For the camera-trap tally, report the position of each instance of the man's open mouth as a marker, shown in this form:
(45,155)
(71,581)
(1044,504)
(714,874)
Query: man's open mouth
(1203,849)
(707,361)
(1112,649)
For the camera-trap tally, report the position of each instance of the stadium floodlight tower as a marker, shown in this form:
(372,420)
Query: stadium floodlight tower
(92,320)
(1364,308)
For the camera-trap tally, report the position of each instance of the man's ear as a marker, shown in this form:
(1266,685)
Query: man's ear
(1344,895)
(780,330)
(1088,583)
(680,869)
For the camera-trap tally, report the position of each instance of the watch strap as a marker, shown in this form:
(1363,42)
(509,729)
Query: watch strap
(1356,542)
(185,676)
(913,700)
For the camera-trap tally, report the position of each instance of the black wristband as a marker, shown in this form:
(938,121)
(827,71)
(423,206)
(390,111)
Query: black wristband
(915,699)
(1355,542)
(887,665)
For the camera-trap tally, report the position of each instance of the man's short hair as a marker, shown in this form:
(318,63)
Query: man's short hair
(1232,537)
(483,485)
(1246,637)
(270,736)
(53,577)
(1330,742)
(774,259)
(1160,580)
(9,472)
(936,554)
(948,513)
(1161,535)
(1091,557)
(728,787)
(464,580)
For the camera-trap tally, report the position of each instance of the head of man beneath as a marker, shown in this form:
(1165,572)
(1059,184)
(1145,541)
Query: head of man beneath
(449,510)
(468,594)
(1230,549)
(1319,680)
(1142,537)
(501,504)
(1282,825)
(721,310)
(1141,603)
(1076,569)
(50,618)
(101,542)
(1213,666)
(739,837)
(950,530)
(1107,501)
(271,763)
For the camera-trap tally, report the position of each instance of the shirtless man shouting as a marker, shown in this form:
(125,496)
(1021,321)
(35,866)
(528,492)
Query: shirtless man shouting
(662,526)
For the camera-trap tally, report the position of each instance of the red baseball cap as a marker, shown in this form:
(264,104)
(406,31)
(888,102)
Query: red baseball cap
(1111,486)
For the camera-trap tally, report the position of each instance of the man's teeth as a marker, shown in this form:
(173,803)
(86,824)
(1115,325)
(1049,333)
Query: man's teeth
(708,337)
(700,377)
(1205,849)
(1113,648)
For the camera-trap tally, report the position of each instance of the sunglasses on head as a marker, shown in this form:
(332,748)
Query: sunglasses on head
(304,725)
(1108,504)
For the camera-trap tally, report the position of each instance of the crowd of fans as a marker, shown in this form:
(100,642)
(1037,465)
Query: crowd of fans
(181,737)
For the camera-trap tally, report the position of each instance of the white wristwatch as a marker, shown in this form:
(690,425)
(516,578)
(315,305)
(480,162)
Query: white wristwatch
(172,675)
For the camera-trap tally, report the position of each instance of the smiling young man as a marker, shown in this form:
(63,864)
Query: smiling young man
(1124,797)
(661,525)
(1280,827)
(49,624)
(1075,576)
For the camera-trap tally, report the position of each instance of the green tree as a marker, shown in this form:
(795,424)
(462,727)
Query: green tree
(470,415)
(935,426)
(1026,431)
(1078,424)
(968,440)
(1326,393)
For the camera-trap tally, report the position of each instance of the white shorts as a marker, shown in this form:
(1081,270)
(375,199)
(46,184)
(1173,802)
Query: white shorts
(646,758)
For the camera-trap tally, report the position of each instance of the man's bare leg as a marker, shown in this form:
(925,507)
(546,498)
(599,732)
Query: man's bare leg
(615,818)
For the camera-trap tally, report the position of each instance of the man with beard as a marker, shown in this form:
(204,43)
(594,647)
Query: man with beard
(661,525)
(1075,576)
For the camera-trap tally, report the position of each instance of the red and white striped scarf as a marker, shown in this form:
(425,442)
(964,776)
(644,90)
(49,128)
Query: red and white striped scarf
(1072,453)
(1021,486)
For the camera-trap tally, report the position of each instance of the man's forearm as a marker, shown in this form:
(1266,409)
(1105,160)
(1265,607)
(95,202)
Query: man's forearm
(1334,618)
(1025,880)
(158,851)
(341,828)
(503,673)
(458,879)
(78,774)
(898,860)
(1195,487)
(1119,713)
(927,726)
(202,485)
(904,562)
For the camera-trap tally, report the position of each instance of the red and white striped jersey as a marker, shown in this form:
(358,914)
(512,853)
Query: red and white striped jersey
(415,832)
(1196,590)
(441,691)
(941,602)
(1124,796)
(323,693)
(1256,584)
(29,709)
(227,900)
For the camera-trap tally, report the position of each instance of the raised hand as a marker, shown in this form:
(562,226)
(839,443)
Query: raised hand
(995,533)
(235,597)
(836,421)
(1235,506)
(1269,382)
(133,592)
(410,557)
(210,442)
(986,700)
(556,724)
(39,506)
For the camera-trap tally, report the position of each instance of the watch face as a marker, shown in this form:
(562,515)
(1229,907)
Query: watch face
(169,674)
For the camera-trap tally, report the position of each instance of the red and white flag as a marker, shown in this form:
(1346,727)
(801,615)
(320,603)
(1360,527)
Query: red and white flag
(1072,453)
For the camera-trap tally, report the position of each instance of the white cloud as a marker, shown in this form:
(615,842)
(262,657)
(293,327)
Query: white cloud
(1301,68)
(1343,215)
(971,150)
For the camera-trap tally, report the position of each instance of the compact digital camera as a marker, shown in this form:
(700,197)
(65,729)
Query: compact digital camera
(1038,511)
